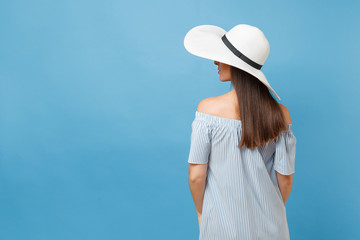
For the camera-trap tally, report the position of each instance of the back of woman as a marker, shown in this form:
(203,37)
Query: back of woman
(242,153)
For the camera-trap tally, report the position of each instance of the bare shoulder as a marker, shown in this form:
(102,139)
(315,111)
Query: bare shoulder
(286,113)
(206,105)
(221,106)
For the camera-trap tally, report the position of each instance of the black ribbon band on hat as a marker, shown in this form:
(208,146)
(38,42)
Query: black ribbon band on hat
(239,54)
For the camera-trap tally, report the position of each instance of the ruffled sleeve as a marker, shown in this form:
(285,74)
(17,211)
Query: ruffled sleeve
(200,146)
(285,151)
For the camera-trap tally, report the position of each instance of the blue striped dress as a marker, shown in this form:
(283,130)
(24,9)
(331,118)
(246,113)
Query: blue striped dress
(242,198)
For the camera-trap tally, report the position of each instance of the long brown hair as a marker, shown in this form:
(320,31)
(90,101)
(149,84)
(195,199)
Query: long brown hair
(261,115)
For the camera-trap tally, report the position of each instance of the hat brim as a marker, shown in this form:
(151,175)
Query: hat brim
(205,41)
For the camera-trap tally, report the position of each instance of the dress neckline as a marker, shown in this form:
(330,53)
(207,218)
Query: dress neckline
(228,121)
(218,117)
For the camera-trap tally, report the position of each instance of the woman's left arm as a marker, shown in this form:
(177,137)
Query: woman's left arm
(197,182)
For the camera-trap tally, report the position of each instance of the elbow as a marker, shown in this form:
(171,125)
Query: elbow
(286,183)
(196,178)
(197,173)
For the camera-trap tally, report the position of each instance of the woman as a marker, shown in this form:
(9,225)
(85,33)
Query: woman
(242,153)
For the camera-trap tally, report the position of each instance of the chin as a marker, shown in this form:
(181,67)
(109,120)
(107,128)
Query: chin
(223,80)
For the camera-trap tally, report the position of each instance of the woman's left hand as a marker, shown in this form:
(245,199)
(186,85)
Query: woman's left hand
(199,219)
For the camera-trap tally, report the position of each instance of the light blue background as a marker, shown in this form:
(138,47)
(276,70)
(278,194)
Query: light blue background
(97,100)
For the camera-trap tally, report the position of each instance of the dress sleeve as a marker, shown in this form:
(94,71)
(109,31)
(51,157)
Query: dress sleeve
(284,159)
(200,146)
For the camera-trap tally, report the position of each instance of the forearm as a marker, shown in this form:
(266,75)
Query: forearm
(197,188)
(285,189)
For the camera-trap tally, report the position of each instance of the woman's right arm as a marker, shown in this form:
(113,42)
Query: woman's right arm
(285,181)
(285,184)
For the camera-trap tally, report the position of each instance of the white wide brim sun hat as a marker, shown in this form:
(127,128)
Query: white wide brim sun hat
(244,47)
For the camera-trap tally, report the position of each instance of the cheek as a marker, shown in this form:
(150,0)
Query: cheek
(228,71)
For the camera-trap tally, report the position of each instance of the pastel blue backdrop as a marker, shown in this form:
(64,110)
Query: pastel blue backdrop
(97,100)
